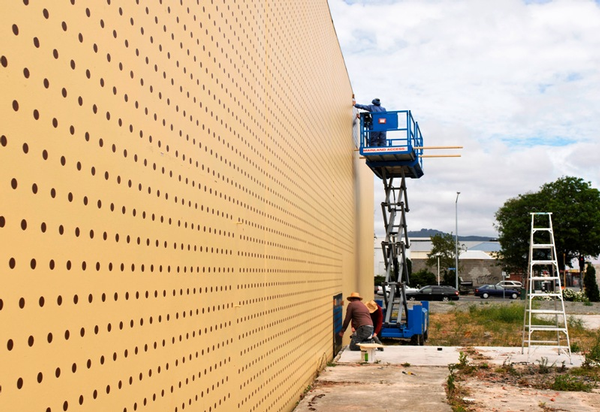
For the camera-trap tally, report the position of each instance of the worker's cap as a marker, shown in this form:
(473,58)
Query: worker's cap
(371,305)
(376,102)
(354,295)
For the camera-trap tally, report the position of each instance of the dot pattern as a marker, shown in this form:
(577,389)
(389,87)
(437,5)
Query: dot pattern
(178,203)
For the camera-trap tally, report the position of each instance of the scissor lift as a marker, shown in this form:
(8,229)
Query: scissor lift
(399,159)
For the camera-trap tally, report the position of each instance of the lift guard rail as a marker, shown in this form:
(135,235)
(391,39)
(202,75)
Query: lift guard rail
(403,145)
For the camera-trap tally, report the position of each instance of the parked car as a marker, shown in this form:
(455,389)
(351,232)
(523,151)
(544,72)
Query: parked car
(512,284)
(486,291)
(434,292)
(379,290)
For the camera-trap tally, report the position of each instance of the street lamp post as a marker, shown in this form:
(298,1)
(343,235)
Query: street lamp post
(438,256)
(456,239)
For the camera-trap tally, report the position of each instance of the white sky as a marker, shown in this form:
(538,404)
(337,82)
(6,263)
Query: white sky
(516,83)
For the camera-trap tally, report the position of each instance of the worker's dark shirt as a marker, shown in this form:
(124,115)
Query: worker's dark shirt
(377,318)
(358,313)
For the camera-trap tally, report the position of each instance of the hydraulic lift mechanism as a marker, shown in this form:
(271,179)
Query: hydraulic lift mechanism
(399,159)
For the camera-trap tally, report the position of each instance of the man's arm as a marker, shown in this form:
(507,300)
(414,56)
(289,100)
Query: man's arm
(361,106)
(346,320)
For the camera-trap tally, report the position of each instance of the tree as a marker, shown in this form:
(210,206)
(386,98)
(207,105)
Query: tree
(422,278)
(444,246)
(514,227)
(575,208)
(591,285)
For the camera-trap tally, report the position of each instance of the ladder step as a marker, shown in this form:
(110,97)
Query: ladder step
(544,278)
(533,295)
(543,262)
(547,312)
(547,346)
(542,245)
(550,328)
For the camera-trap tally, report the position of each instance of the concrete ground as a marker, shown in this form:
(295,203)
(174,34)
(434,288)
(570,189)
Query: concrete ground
(412,378)
(377,388)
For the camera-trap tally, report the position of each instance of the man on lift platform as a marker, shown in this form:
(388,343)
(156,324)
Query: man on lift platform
(375,138)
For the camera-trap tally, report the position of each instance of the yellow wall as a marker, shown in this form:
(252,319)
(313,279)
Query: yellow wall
(179,202)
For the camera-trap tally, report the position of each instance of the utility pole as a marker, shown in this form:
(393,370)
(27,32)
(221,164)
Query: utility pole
(456,240)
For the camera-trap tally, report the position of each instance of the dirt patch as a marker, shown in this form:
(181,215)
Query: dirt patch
(476,386)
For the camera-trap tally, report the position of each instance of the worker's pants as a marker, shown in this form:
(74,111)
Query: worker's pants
(363,333)
(377,139)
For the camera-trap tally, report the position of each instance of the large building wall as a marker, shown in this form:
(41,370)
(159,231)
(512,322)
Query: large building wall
(179,203)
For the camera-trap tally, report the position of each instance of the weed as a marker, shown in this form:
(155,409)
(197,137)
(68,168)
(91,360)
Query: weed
(463,361)
(405,364)
(508,367)
(571,383)
(543,367)
(588,303)
(575,348)
(592,357)
(451,379)
(575,324)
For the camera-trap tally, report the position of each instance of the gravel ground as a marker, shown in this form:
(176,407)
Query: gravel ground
(571,308)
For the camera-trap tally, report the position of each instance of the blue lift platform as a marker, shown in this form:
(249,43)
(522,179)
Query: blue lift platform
(399,158)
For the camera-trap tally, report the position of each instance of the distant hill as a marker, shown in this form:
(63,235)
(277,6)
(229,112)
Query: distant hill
(432,232)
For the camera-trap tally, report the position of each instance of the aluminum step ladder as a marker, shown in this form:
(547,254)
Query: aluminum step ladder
(545,322)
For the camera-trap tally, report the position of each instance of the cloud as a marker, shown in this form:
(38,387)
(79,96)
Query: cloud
(514,82)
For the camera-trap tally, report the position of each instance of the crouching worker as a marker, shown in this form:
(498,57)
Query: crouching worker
(359,315)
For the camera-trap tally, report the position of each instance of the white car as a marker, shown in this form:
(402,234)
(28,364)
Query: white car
(512,284)
(387,289)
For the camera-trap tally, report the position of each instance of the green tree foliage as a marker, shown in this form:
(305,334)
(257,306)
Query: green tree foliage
(575,208)
(449,278)
(591,285)
(422,278)
(444,246)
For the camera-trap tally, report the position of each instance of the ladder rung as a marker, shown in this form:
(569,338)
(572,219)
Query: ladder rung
(543,262)
(540,328)
(543,294)
(548,312)
(544,278)
(542,245)
(548,346)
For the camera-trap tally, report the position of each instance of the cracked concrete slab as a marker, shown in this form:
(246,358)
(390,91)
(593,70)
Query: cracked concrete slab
(378,388)
(413,378)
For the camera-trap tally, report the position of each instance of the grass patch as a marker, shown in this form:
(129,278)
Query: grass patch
(572,383)
(491,324)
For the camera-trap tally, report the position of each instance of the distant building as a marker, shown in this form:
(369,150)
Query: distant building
(476,264)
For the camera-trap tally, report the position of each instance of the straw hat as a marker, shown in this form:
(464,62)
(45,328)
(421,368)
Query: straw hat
(354,295)
(371,305)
